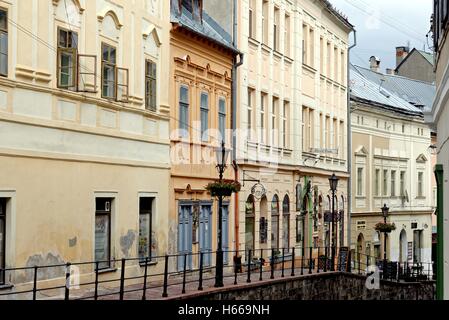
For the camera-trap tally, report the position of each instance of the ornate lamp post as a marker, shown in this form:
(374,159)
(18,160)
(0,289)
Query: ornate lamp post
(333,183)
(385,211)
(222,156)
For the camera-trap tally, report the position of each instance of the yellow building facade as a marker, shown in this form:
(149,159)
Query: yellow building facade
(84,121)
(200,119)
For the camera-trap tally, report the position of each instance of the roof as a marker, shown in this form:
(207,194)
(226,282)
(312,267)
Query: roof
(415,92)
(427,55)
(209,28)
(338,14)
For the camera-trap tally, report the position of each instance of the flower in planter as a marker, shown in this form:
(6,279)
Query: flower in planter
(225,189)
(385,227)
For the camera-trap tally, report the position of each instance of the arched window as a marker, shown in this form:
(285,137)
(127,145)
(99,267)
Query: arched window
(286,222)
(275,222)
(263,224)
(249,223)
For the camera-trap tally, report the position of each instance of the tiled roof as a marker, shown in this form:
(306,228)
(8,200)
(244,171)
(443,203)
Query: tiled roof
(209,28)
(364,89)
(418,93)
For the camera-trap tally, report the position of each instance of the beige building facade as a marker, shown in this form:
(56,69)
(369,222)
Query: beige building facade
(84,121)
(392,166)
(292,120)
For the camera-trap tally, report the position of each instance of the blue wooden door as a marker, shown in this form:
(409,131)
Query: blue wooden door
(225,228)
(185,236)
(205,234)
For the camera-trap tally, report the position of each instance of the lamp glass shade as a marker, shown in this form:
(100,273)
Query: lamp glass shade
(222,155)
(333,182)
(385,210)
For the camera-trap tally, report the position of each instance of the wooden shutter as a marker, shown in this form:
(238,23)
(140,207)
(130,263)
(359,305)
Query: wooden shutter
(87,73)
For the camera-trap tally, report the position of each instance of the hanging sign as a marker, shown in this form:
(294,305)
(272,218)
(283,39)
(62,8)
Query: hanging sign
(258,191)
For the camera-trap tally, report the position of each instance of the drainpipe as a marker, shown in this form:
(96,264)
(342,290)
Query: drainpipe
(349,148)
(439,176)
(234,125)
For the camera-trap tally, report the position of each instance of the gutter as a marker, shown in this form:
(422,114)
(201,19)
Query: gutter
(349,147)
(234,127)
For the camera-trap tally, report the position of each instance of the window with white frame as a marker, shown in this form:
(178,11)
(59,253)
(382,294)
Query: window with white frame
(184,111)
(204,110)
(420,184)
(360,180)
(3,42)
(222,118)
(146,246)
(103,210)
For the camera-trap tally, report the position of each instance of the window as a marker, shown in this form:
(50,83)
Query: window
(114,79)
(265,22)
(327,132)
(403,128)
(377,182)
(145,229)
(252,19)
(150,85)
(402,183)
(67,59)
(287,36)
(250,112)
(321,55)
(385,183)
(276,30)
(184,111)
(329,59)
(222,118)
(335,133)
(321,131)
(420,184)
(204,116)
(341,138)
(305,44)
(3,43)
(359,181)
(262,117)
(336,64)
(109,74)
(274,124)
(312,48)
(103,232)
(393,183)
(275,222)
(343,67)
(2,239)
(285,134)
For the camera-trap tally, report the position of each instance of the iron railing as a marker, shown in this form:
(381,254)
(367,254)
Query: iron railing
(179,274)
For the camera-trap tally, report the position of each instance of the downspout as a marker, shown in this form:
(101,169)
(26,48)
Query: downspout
(349,148)
(234,127)
(439,176)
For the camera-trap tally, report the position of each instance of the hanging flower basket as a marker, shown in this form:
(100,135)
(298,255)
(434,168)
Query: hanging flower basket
(385,227)
(225,189)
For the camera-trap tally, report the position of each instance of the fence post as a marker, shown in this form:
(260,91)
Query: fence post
(35,282)
(283,262)
(200,285)
(165,293)
(325,259)
(67,281)
(235,270)
(97,264)
(302,261)
(249,267)
(310,259)
(272,264)
(145,274)
(359,258)
(293,261)
(349,262)
(122,279)
(367,263)
(318,262)
(184,275)
(261,265)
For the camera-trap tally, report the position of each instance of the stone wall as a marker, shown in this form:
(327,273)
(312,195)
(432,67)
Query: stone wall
(329,286)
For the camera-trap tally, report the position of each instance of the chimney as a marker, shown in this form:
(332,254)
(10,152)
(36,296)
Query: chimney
(390,72)
(401,54)
(374,63)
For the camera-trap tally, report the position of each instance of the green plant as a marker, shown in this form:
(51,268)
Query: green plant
(385,227)
(223,188)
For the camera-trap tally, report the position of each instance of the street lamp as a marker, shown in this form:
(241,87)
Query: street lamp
(222,158)
(385,210)
(333,183)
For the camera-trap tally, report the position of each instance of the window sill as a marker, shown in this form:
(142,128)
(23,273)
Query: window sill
(266,48)
(6,286)
(277,54)
(253,41)
(150,264)
(420,198)
(109,270)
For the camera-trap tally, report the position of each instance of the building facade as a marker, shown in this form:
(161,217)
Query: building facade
(392,166)
(415,64)
(439,117)
(84,121)
(292,116)
(201,60)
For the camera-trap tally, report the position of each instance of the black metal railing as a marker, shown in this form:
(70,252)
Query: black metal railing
(179,274)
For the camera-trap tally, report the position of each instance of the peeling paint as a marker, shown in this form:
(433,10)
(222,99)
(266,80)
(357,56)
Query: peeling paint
(127,241)
(72,242)
(43,273)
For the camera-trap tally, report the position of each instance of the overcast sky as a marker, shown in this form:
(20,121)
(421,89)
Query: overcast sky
(383,25)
